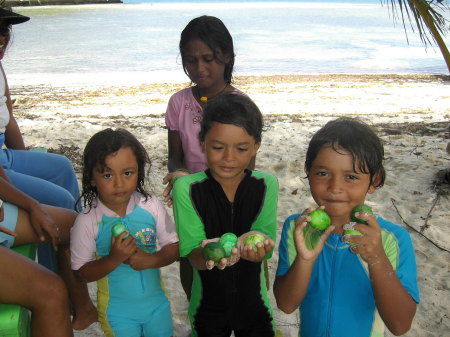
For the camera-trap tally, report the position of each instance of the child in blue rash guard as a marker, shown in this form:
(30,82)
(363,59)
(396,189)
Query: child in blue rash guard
(131,301)
(231,295)
(342,289)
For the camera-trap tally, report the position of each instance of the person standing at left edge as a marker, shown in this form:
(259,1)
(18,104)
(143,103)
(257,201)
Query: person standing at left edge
(46,177)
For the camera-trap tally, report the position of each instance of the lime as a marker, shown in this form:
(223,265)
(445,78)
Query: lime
(351,232)
(213,251)
(118,229)
(253,239)
(228,242)
(360,208)
(319,219)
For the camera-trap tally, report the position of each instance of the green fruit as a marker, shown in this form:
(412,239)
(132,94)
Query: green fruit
(312,236)
(319,219)
(253,239)
(228,242)
(362,209)
(351,232)
(213,251)
(118,229)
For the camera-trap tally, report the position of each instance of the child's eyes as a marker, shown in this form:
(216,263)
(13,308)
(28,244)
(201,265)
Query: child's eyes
(107,176)
(321,173)
(208,59)
(216,148)
(128,173)
(352,177)
(241,149)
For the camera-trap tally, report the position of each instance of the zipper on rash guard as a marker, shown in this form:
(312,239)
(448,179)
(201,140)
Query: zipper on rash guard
(330,299)
(234,302)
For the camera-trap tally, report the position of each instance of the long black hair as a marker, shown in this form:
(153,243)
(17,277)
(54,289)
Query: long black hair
(213,32)
(103,144)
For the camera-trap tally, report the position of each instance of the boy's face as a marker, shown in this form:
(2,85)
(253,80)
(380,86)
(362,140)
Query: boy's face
(335,185)
(229,150)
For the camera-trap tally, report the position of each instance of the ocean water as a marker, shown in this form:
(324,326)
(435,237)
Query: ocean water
(137,42)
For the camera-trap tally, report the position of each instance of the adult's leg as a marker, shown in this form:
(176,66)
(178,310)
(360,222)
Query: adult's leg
(26,283)
(49,167)
(84,312)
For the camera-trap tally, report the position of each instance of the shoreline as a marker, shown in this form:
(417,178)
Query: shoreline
(30,3)
(410,113)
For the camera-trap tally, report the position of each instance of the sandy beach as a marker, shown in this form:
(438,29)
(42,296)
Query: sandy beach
(410,112)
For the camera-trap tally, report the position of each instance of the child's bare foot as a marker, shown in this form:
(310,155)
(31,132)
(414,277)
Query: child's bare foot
(84,318)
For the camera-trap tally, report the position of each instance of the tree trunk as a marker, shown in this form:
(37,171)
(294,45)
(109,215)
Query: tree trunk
(423,11)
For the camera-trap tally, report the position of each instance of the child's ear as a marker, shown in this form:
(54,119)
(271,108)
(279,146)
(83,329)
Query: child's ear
(256,148)
(93,183)
(375,183)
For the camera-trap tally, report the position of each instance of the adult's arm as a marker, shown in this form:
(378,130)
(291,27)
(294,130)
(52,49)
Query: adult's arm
(13,137)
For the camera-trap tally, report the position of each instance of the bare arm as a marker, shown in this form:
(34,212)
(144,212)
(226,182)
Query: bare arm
(13,137)
(290,289)
(165,256)
(395,305)
(197,260)
(176,154)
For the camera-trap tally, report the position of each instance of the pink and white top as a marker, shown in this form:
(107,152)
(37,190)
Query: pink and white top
(184,114)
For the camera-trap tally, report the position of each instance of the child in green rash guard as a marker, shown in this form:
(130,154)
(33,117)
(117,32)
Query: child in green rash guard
(230,295)
(348,286)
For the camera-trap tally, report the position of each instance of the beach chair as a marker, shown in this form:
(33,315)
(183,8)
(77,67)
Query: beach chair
(14,319)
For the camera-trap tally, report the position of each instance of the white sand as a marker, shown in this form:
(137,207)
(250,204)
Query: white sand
(294,108)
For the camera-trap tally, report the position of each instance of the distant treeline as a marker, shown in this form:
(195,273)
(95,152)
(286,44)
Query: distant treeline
(18,3)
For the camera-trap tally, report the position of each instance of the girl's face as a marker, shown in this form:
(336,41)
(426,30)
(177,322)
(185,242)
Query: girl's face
(229,150)
(118,180)
(335,185)
(204,69)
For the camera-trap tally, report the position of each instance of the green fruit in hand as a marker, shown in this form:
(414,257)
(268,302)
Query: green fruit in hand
(319,219)
(118,229)
(312,236)
(351,232)
(228,242)
(253,239)
(213,251)
(362,209)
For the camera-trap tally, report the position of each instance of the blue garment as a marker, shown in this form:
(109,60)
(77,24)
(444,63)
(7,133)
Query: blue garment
(49,178)
(131,303)
(340,289)
(10,215)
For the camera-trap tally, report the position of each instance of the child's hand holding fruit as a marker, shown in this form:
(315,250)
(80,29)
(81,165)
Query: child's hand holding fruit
(312,229)
(364,236)
(221,252)
(255,246)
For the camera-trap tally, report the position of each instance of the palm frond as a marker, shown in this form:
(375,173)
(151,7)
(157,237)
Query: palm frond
(415,11)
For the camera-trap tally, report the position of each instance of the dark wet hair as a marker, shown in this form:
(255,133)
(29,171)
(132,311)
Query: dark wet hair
(233,109)
(355,137)
(103,144)
(215,35)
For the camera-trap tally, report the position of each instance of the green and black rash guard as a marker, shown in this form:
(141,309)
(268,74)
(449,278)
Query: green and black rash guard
(237,295)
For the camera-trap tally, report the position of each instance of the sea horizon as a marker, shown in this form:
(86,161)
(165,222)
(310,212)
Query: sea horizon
(138,42)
